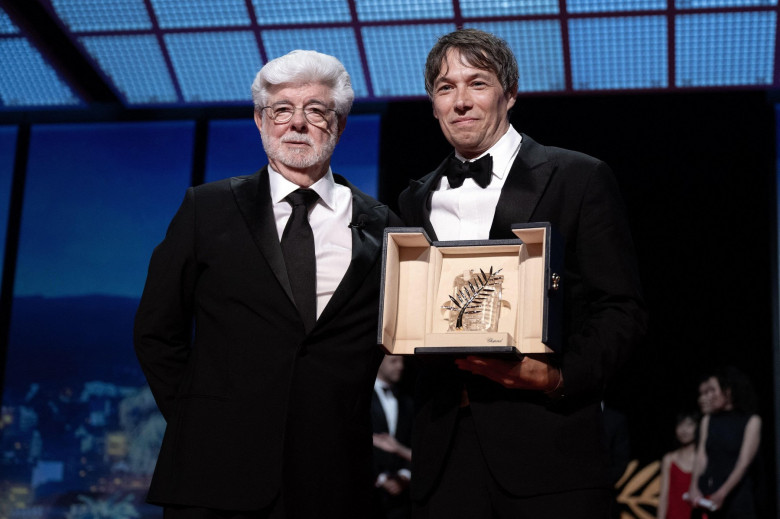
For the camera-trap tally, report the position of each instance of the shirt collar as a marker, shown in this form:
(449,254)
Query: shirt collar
(503,152)
(380,386)
(281,187)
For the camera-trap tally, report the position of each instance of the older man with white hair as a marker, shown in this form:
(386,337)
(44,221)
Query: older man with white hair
(257,326)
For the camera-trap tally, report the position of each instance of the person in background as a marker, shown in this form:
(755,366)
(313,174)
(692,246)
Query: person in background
(391,415)
(257,326)
(722,482)
(676,468)
(508,438)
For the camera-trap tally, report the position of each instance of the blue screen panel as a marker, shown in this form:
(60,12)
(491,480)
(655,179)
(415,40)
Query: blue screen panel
(285,12)
(607,6)
(538,48)
(482,8)
(339,42)
(721,49)
(95,199)
(80,429)
(175,14)
(235,148)
(357,154)
(102,15)
(27,80)
(617,53)
(7,157)
(373,10)
(135,65)
(396,56)
(214,66)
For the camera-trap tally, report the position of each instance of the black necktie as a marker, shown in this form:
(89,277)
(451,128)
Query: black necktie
(480,170)
(298,251)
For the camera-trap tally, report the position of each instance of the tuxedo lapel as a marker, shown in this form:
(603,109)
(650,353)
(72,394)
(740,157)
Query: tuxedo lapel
(369,219)
(253,196)
(378,418)
(523,188)
(420,200)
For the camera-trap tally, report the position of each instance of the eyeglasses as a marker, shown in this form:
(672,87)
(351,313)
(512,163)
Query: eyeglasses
(316,115)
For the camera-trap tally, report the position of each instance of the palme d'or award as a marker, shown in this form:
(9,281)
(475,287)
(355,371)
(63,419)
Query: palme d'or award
(498,297)
(475,305)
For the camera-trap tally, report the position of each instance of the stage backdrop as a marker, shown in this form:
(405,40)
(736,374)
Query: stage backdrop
(80,430)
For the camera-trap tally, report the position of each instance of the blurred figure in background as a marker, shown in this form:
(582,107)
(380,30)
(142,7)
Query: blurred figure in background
(723,484)
(676,469)
(391,417)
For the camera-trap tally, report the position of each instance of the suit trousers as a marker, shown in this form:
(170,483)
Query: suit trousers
(466,489)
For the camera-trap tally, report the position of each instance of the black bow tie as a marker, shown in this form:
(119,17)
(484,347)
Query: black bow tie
(480,170)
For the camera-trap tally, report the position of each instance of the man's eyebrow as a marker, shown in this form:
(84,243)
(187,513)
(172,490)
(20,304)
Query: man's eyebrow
(307,102)
(481,74)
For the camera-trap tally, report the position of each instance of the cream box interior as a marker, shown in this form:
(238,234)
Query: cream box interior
(418,280)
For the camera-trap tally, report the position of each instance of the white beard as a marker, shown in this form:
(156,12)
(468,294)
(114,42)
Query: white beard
(299,158)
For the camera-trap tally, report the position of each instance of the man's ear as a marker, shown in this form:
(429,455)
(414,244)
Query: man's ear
(259,121)
(342,125)
(512,97)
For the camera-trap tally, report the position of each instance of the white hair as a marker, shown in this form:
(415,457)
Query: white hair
(302,67)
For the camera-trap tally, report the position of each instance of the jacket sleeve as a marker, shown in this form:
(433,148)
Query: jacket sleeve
(163,327)
(606,312)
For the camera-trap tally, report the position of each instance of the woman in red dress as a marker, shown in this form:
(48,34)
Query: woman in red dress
(676,468)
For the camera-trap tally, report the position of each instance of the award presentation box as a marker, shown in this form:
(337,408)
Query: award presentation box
(418,277)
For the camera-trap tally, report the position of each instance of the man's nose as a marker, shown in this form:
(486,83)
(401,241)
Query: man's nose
(462,99)
(298,120)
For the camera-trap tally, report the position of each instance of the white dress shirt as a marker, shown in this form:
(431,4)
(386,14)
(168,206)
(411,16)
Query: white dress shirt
(389,405)
(329,219)
(466,213)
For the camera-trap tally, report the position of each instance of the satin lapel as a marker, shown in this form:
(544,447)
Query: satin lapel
(523,188)
(371,217)
(378,417)
(420,198)
(253,197)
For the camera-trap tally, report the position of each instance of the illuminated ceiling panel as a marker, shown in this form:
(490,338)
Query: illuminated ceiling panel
(28,80)
(6,25)
(611,6)
(289,12)
(703,4)
(396,56)
(191,53)
(141,80)
(214,66)
(725,49)
(618,53)
(102,15)
(175,14)
(538,47)
(373,10)
(484,8)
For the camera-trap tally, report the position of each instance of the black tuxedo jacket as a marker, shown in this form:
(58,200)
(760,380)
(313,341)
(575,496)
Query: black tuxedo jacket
(253,405)
(532,444)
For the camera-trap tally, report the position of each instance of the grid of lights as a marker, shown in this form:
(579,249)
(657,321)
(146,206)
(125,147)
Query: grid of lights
(203,52)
